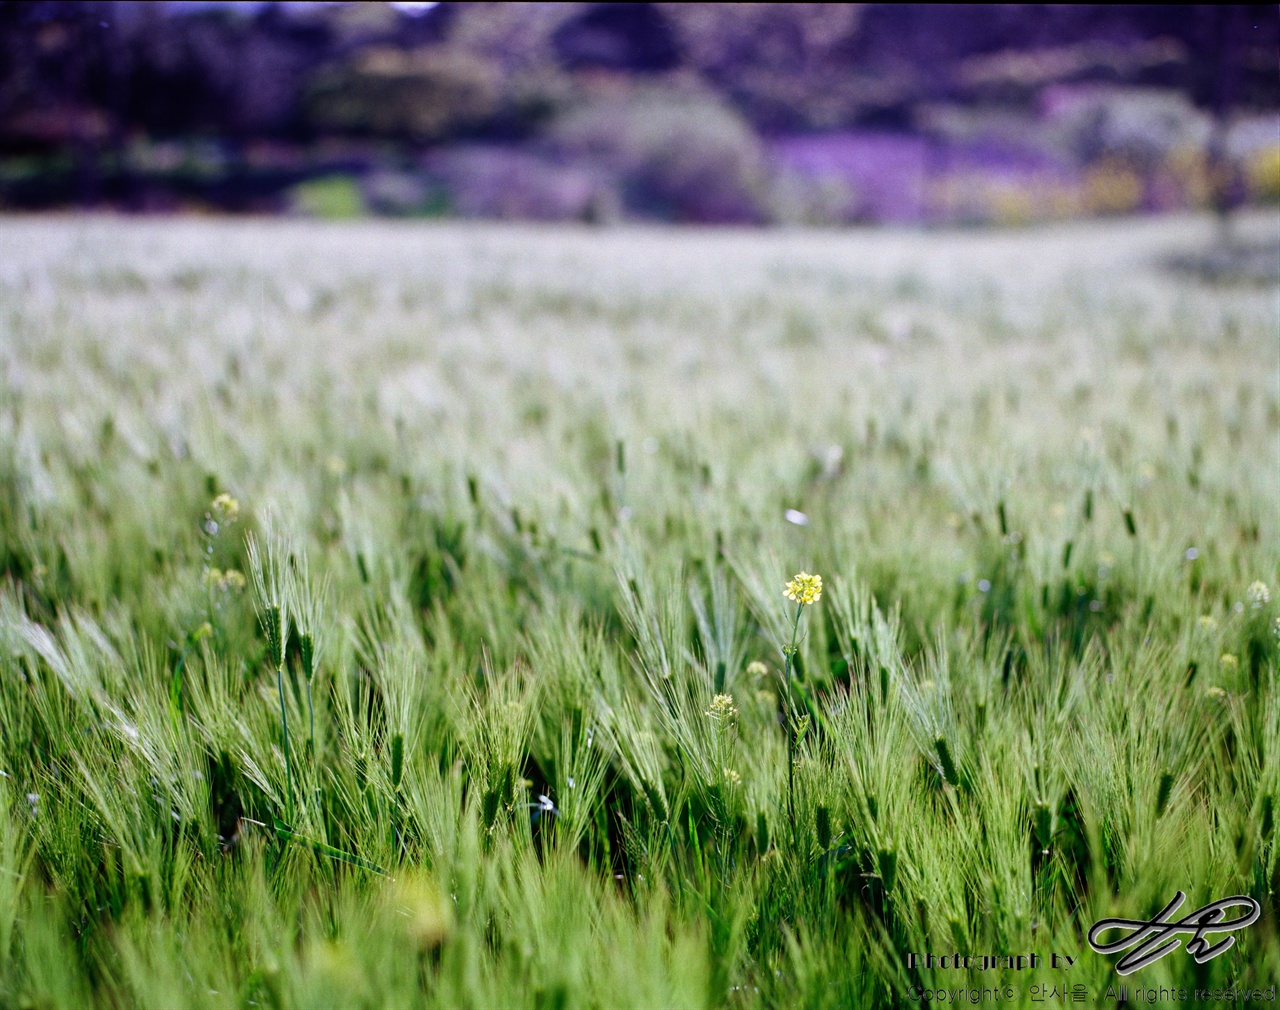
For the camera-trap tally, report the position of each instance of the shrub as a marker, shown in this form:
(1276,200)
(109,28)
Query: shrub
(331,196)
(509,183)
(1112,187)
(424,94)
(1263,172)
(680,155)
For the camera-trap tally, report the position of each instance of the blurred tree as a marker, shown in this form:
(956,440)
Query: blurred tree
(1242,70)
(420,95)
(620,36)
(786,66)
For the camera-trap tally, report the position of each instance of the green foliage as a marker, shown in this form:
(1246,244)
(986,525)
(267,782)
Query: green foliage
(331,673)
(333,197)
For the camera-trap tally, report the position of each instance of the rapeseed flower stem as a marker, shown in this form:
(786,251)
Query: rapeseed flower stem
(791,761)
(804,589)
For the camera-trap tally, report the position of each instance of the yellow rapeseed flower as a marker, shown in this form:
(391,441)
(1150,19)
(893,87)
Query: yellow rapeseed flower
(230,579)
(421,910)
(804,589)
(224,508)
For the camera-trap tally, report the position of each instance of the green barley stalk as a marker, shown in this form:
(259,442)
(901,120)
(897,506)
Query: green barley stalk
(271,600)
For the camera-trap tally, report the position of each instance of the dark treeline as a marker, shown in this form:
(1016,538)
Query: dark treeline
(79,81)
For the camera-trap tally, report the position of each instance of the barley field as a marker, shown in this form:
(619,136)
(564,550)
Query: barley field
(393,614)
